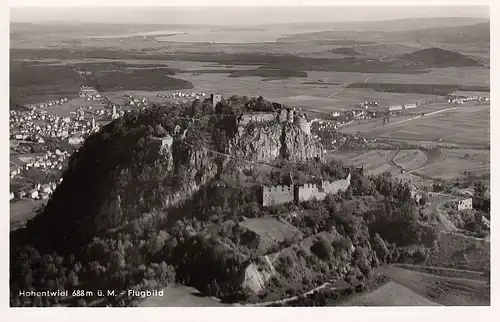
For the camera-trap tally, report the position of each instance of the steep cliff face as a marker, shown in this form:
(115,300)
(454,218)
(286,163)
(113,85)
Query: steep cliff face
(201,167)
(298,146)
(255,276)
(270,141)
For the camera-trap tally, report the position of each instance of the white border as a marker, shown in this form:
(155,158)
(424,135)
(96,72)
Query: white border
(235,314)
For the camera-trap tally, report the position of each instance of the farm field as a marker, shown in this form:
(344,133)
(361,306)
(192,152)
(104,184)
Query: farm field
(452,164)
(340,99)
(255,86)
(446,272)
(410,159)
(367,126)
(324,98)
(449,75)
(119,97)
(463,125)
(181,296)
(457,161)
(358,95)
(374,161)
(442,290)
(271,228)
(317,97)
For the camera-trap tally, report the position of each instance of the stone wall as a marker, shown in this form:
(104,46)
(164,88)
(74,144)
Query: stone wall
(277,195)
(310,191)
(333,187)
(245,119)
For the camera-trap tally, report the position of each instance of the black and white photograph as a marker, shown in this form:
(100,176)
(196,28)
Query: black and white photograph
(249,156)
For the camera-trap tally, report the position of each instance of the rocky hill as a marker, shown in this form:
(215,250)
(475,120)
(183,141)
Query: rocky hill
(437,57)
(119,172)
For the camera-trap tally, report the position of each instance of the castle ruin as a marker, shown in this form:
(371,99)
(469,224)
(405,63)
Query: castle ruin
(283,116)
(247,118)
(278,195)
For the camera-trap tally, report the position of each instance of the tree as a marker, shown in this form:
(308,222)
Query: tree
(117,261)
(479,189)
(207,107)
(197,109)
(72,279)
(156,243)
(424,199)
(406,195)
(380,247)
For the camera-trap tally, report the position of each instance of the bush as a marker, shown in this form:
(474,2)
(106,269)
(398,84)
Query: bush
(323,249)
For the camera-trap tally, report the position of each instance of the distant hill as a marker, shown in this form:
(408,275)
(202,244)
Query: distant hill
(390,25)
(476,33)
(437,57)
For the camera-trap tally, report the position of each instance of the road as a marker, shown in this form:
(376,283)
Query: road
(293,298)
(398,148)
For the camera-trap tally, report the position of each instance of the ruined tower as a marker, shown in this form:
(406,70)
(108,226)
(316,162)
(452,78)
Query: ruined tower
(301,121)
(290,115)
(215,98)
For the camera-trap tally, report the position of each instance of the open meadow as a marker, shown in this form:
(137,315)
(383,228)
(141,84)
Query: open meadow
(272,228)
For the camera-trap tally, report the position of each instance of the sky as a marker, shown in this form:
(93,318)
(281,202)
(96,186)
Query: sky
(238,15)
